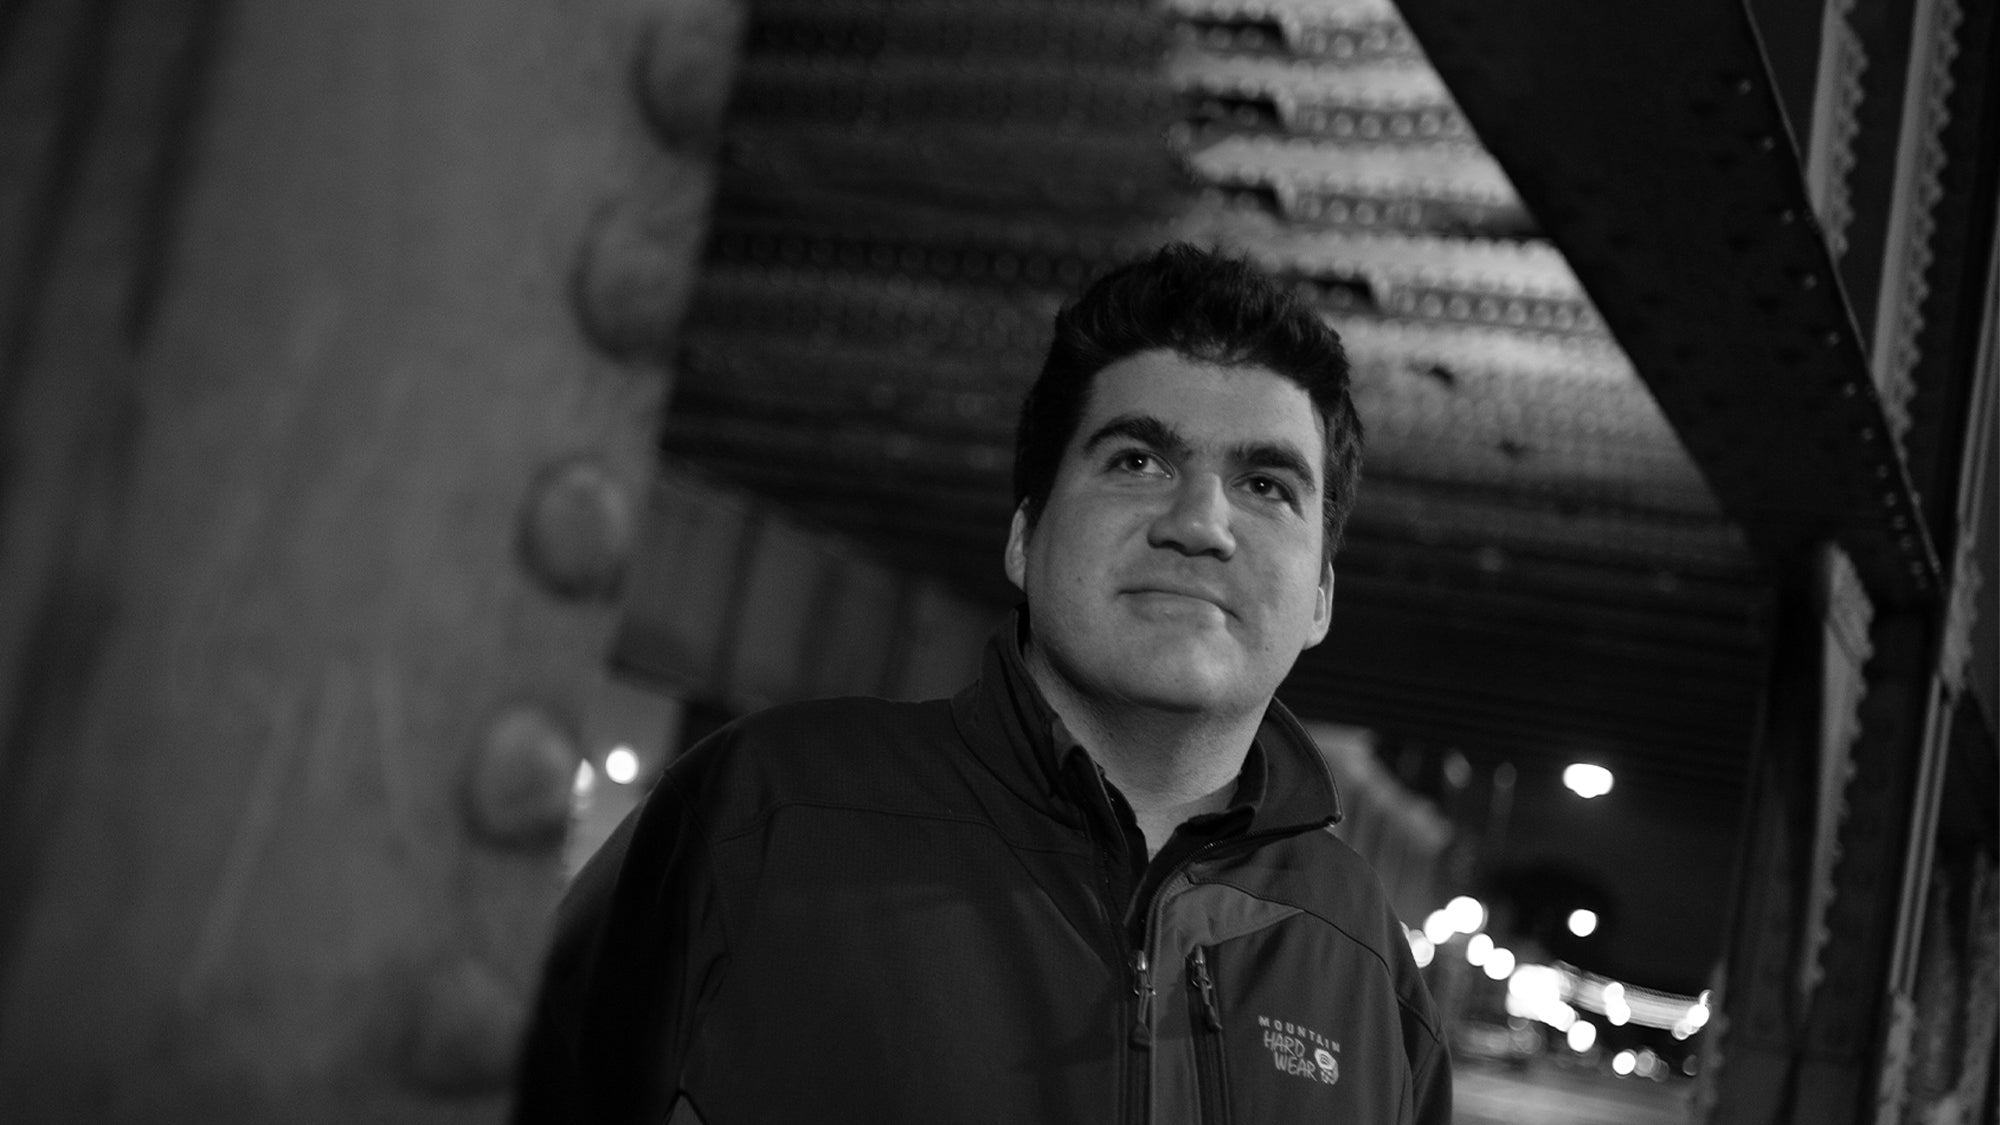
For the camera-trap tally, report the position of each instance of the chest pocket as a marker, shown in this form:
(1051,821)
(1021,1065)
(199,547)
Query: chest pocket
(1295,1023)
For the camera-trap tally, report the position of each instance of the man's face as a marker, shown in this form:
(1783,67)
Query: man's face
(1177,563)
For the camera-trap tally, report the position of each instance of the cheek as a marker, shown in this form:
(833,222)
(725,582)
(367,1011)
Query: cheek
(1076,547)
(1296,594)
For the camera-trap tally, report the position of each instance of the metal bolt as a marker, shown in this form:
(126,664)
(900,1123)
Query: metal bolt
(463,1024)
(519,790)
(576,529)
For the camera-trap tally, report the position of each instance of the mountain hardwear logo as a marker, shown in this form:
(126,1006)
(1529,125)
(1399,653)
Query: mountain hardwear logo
(1301,1051)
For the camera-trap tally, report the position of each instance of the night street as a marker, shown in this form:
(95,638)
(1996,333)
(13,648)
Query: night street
(1548,1095)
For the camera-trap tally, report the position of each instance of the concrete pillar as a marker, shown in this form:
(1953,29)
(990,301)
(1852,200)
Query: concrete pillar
(355,485)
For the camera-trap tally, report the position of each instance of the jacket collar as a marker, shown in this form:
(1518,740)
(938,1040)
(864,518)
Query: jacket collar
(1016,734)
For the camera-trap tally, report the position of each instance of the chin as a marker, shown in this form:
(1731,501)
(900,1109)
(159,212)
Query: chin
(1181,686)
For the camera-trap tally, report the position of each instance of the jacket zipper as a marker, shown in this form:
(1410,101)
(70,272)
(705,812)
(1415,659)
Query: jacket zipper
(1136,1071)
(1142,991)
(1205,1018)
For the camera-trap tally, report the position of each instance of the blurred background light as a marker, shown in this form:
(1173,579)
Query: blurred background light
(1616,1011)
(621,765)
(1422,949)
(1695,1019)
(1437,927)
(1536,984)
(1478,949)
(1465,914)
(1536,992)
(1645,1064)
(1583,923)
(1587,781)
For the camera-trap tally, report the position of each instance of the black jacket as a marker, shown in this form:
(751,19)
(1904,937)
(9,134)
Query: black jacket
(863,911)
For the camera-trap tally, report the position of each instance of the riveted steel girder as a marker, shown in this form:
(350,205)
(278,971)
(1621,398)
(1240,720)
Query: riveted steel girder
(1650,143)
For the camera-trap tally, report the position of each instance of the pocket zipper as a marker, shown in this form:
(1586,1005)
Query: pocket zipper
(1205,1017)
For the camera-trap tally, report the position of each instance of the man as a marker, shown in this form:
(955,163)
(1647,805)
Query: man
(1093,887)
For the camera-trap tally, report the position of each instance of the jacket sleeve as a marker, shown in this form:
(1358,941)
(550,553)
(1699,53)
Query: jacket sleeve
(1425,1042)
(1430,1079)
(638,949)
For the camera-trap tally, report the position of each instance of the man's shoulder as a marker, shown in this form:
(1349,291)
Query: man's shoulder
(852,724)
(1319,873)
(831,751)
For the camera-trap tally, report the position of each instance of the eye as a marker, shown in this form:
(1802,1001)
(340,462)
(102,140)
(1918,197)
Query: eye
(1138,462)
(1269,488)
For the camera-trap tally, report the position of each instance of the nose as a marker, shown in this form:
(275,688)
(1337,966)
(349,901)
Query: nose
(1196,520)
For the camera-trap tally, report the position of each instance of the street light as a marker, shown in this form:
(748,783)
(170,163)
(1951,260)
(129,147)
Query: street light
(1587,781)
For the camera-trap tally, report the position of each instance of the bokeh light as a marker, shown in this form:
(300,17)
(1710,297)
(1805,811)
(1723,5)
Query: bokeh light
(1587,781)
(1437,927)
(1465,914)
(1478,949)
(621,765)
(1422,949)
(1617,1011)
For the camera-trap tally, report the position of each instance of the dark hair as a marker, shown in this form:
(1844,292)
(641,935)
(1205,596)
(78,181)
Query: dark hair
(1208,308)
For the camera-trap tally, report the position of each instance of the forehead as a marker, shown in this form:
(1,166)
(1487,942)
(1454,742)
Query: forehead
(1208,404)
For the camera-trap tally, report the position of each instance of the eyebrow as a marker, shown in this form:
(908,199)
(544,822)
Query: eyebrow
(1150,431)
(1142,428)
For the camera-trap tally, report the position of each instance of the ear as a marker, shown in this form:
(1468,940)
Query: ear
(1017,549)
(1322,605)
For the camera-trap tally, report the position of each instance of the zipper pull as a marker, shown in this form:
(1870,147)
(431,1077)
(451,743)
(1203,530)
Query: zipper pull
(1142,989)
(1204,989)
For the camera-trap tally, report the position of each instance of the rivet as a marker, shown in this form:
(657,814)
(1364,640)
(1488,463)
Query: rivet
(636,269)
(1788,216)
(1831,339)
(462,1026)
(1766,143)
(1809,281)
(519,790)
(684,72)
(1849,390)
(576,529)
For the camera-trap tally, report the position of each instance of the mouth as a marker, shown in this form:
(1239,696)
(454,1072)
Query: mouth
(1184,595)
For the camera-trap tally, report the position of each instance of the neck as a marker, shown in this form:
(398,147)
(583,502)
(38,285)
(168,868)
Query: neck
(1169,765)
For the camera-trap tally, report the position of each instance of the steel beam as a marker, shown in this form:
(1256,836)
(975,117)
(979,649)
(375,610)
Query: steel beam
(1652,147)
